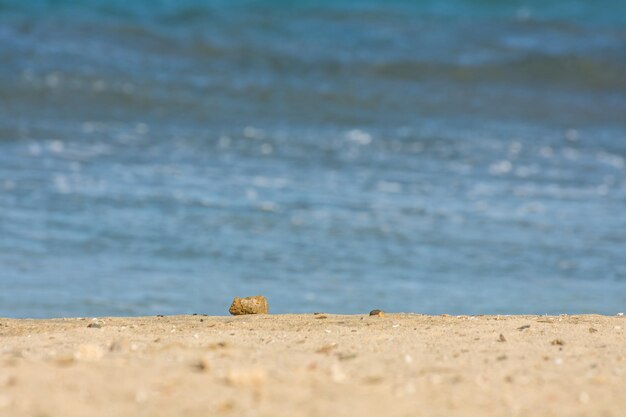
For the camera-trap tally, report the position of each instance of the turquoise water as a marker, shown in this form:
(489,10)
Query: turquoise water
(161,157)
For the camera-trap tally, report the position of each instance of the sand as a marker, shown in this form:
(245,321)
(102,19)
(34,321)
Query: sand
(314,365)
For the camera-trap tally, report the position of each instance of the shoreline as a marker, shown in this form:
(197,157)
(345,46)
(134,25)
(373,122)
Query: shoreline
(314,365)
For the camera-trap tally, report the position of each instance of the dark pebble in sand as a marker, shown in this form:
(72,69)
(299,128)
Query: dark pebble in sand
(501,338)
(558,342)
(378,313)
(94,325)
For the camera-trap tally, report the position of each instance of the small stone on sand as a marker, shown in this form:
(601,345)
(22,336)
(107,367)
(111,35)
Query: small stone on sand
(378,313)
(501,338)
(249,305)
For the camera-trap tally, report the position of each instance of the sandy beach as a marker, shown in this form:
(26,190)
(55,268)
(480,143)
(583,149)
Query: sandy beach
(314,365)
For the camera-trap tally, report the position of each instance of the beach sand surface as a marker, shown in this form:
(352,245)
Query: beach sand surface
(314,365)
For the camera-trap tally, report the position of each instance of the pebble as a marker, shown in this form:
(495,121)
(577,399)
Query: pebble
(95,323)
(558,342)
(501,338)
(377,313)
(249,305)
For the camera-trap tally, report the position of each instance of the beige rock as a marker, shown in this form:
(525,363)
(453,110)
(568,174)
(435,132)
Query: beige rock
(249,305)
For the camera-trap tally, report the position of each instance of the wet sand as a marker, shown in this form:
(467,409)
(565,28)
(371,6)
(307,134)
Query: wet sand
(314,365)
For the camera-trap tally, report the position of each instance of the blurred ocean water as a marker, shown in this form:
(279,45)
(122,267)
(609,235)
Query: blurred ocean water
(161,157)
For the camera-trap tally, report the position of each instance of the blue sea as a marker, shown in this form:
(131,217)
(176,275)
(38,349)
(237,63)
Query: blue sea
(449,156)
